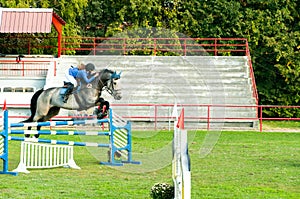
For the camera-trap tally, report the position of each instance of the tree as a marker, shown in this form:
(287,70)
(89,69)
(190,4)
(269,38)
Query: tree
(272,28)
(68,10)
(273,31)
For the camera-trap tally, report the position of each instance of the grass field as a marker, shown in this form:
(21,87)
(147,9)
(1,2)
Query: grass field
(241,165)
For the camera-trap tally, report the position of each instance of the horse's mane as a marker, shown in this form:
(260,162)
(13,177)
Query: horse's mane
(106,71)
(103,71)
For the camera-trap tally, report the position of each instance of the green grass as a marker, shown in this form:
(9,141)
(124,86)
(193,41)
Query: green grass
(281,124)
(241,165)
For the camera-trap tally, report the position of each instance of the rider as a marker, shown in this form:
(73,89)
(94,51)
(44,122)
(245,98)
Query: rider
(78,73)
(83,74)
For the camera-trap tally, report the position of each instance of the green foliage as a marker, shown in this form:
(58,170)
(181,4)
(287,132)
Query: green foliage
(100,18)
(274,36)
(162,191)
(272,28)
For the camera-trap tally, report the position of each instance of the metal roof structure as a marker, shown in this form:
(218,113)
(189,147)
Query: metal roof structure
(31,20)
(25,20)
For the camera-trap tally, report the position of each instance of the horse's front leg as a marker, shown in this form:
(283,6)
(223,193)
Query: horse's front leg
(38,129)
(28,135)
(102,109)
(35,135)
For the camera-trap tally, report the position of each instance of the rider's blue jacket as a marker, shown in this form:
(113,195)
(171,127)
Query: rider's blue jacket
(82,74)
(73,71)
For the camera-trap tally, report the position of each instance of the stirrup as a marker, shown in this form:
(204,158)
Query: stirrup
(65,99)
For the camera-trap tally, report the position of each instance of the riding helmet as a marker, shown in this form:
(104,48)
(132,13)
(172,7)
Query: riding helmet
(90,67)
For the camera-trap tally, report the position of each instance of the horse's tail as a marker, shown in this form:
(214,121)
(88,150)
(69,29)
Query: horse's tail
(33,105)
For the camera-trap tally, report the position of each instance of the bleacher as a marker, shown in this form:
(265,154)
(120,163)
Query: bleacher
(220,82)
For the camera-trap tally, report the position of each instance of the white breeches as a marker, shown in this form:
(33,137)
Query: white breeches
(70,78)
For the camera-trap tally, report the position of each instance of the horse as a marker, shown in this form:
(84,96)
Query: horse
(46,104)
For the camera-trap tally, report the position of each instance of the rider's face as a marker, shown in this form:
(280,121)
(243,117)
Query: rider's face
(81,66)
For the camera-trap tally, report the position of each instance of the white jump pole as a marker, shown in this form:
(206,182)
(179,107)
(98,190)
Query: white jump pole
(181,161)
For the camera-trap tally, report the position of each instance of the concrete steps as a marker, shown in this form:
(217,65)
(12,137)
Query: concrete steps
(186,80)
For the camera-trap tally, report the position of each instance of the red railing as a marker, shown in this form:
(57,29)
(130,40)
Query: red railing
(155,46)
(254,89)
(208,119)
(94,45)
(28,68)
(28,45)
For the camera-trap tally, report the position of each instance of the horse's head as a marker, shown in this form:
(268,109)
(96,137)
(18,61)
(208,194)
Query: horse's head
(110,81)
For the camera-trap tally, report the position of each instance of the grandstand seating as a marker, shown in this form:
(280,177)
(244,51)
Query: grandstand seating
(208,80)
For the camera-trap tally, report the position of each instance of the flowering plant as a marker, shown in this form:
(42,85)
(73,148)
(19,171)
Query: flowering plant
(162,191)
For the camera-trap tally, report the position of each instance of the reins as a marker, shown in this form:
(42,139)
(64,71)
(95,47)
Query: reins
(104,83)
(110,91)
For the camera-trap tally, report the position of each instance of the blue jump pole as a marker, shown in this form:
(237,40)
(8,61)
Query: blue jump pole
(47,132)
(58,123)
(4,155)
(60,142)
(111,133)
(114,149)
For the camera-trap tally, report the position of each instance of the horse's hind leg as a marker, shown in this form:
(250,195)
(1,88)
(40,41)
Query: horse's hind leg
(53,111)
(33,107)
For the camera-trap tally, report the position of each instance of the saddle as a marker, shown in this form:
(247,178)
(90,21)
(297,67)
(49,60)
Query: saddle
(63,90)
(65,87)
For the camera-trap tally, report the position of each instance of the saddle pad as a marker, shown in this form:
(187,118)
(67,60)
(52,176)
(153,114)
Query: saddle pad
(62,91)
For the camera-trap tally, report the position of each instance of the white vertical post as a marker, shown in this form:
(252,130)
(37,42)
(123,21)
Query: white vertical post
(181,161)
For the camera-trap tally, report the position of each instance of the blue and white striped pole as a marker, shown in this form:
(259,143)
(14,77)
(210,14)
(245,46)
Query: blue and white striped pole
(60,142)
(47,132)
(58,123)
(4,155)
(122,137)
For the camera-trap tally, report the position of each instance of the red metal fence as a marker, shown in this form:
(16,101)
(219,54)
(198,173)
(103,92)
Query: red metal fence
(125,46)
(156,46)
(25,68)
(129,46)
(155,116)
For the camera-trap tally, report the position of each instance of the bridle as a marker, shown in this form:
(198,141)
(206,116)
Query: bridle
(109,84)
(110,89)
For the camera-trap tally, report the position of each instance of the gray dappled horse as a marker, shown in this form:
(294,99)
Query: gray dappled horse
(45,104)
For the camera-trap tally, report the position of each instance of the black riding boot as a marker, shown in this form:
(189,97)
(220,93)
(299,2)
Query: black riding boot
(68,92)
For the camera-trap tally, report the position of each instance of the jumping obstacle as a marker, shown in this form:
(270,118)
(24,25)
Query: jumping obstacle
(119,138)
(40,156)
(181,166)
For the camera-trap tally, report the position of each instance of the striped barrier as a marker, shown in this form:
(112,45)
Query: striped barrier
(181,166)
(119,138)
(40,156)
